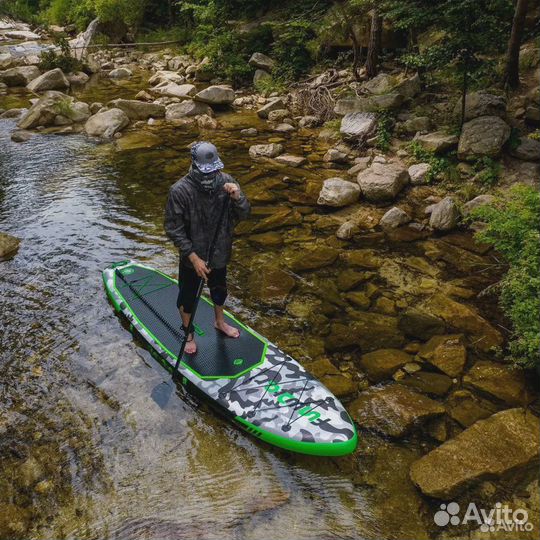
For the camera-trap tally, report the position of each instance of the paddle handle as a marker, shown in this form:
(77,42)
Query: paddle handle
(209,256)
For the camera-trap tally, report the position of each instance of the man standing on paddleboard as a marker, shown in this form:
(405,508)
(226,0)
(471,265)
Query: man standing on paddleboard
(192,222)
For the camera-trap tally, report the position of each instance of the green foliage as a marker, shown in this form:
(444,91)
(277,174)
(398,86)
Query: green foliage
(488,171)
(20,10)
(441,167)
(385,127)
(513,228)
(51,59)
(291,49)
(267,85)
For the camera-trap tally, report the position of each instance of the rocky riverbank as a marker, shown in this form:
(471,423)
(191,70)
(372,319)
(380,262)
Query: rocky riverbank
(358,237)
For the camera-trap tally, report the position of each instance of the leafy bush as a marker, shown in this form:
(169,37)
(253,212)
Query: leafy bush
(488,171)
(513,228)
(291,49)
(63,59)
(385,127)
(440,166)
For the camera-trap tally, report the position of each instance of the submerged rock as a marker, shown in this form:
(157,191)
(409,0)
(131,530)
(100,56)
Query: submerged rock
(428,382)
(271,285)
(419,324)
(466,408)
(137,140)
(393,410)
(337,192)
(496,448)
(21,135)
(8,245)
(513,386)
(120,73)
(310,257)
(177,111)
(383,363)
(265,150)
(339,384)
(447,353)
(291,160)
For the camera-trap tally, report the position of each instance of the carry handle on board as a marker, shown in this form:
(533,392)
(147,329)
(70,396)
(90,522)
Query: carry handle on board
(209,256)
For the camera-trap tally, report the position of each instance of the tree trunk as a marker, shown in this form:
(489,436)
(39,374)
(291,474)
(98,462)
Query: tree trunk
(465,86)
(357,50)
(374,46)
(512,54)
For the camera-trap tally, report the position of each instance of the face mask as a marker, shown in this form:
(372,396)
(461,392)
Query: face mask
(207,180)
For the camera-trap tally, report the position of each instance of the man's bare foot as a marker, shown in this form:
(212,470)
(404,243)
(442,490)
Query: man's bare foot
(227,329)
(191,346)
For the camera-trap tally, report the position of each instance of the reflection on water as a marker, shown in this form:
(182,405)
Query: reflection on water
(85,450)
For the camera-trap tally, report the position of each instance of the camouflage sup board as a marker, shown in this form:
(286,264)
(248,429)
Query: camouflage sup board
(259,387)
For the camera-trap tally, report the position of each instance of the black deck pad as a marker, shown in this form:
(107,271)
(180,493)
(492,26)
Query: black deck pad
(152,296)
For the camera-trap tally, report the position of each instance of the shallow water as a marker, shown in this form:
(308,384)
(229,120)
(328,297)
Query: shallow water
(82,410)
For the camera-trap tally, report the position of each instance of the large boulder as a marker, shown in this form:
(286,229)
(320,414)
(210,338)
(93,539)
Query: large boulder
(272,105)
(493,449)
(512,386)
(265,150)
(50,80)
(436,142)
(54,108)
(216,95)
(483,136)
(393,410)
(358,126)
(382,181)
(477,202)
(368,104)
(172,89)
(107,123)
(481,104)
(464,319)
(261,61)
(8,245)
(260,75)
(419,324)
(19,76)
(419,173)
(337,192)
(176,111)
(528,149)
(138,110)
(382,364)
(444,215)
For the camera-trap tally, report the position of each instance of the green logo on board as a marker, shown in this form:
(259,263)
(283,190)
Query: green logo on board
(238,361)
(282,398)
(127,271)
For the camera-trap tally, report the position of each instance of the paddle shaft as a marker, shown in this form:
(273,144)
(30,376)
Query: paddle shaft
(209,256)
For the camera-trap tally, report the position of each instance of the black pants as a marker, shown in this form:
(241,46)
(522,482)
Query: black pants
(189,282)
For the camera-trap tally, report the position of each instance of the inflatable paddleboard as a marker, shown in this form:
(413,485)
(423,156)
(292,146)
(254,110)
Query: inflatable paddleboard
(255,384)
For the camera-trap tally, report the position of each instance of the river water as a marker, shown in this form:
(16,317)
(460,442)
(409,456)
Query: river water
(96,441)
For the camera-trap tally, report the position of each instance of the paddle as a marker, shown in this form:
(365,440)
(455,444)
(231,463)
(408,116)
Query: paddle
(209,256)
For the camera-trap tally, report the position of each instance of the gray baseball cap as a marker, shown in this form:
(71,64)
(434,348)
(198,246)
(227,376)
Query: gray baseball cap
(205,157)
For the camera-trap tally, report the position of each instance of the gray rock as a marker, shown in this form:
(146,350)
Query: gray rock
(172,89)
(19,76)
(359,126)
(444,215)
(265,150)
(44,111)
(13,113)
(481,104)
(416,124)
(380,84)
(532,115)
(333,155)
(187,108)
(382,181)
(6,60)
(309,121)
(138,110)
(477,202)
(409,87)
(337,192)
(395,217)
(164,77)
(107,123)
(50,80)
(272,105)
(419,173)
(284,128)
(261,61)
(278,115)
(437,142)
(120,73)
(527,150)
(260,75)
(483,136)
(77,78)
(368,104)
(216,95)
(249,132)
